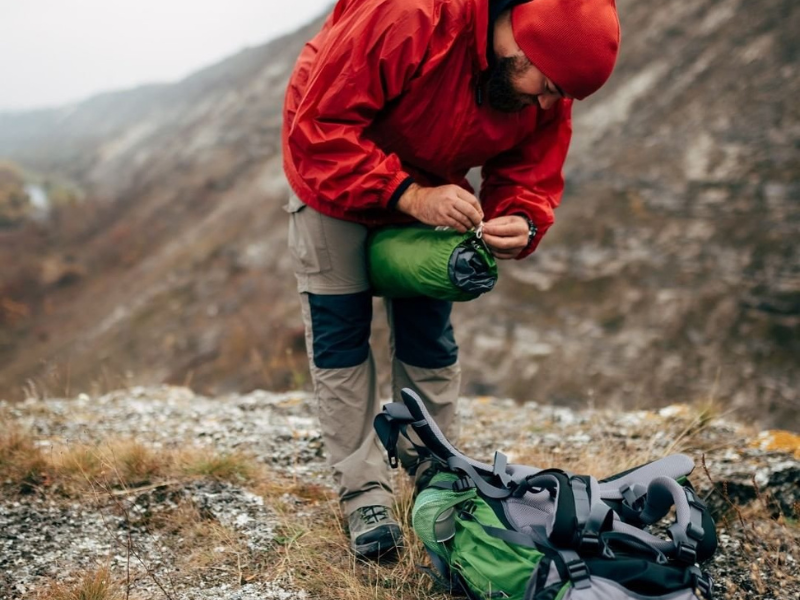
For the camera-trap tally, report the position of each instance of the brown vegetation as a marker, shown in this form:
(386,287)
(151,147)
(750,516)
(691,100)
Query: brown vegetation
(310,546)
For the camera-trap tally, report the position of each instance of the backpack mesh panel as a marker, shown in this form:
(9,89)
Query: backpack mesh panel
(430,503)
(531,509)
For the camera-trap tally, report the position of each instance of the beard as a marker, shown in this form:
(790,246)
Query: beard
(500,91)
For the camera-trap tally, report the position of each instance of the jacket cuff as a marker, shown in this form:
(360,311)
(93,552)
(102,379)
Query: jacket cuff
(399,191)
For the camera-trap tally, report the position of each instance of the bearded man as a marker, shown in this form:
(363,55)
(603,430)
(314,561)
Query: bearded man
(387,109)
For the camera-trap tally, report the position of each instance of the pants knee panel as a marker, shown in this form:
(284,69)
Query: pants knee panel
(423,334)
(340,326)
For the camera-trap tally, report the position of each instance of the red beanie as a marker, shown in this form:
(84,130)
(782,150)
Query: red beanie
(573,42)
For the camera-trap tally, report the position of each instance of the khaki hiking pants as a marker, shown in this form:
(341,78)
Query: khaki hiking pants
(329,257)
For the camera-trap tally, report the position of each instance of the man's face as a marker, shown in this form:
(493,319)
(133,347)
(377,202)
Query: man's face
(514,84)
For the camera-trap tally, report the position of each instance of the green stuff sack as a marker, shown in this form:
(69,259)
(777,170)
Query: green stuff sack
(404,262)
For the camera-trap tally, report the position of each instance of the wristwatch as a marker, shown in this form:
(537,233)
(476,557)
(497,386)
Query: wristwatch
(532,229)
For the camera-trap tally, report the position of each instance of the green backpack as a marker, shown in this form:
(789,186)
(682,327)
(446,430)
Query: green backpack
(410,261)
(514,531)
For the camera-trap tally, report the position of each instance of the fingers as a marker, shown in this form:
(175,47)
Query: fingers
(458,221)
(448,205)
(506,236)
(504,244)
(507,226)
(469,206)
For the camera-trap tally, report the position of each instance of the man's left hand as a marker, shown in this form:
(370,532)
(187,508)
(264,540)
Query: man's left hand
(506,236)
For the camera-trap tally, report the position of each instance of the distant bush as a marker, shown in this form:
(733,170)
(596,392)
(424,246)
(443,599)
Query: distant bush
(15,203)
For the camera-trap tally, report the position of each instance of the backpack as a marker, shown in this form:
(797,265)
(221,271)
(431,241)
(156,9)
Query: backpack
(514,531)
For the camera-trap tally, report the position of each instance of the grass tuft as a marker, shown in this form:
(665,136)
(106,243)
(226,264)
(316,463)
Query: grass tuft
(96,584)
(234,467)
(23,465)
(135,464)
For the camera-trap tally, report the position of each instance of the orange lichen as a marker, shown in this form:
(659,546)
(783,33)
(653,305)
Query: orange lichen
(778,440)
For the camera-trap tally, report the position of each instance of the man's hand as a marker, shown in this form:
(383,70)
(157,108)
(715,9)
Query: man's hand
(506,236)
(448,205)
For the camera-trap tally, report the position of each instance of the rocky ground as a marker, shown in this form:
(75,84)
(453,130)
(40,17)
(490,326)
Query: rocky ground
(750,479)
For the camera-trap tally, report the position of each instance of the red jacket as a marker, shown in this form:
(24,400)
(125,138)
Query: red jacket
(387,92)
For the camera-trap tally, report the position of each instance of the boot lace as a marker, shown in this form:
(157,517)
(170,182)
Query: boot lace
(374,514)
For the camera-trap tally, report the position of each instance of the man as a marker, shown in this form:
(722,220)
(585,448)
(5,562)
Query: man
(388,108)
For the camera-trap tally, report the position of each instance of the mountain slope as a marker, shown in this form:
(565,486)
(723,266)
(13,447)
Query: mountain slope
(672,274)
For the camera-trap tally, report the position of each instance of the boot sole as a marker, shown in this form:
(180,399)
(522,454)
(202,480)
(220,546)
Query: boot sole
(388,543)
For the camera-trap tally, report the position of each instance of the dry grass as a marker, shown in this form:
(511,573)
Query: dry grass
(769,537)
(22,462)
(310,550)
(76,468)
(203,545)
(95,584)
(313,551)
(230,466)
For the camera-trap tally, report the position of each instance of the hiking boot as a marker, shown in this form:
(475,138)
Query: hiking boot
(373,531)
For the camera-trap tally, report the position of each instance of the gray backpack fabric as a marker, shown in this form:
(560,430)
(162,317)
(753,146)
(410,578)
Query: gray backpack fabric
(588,539)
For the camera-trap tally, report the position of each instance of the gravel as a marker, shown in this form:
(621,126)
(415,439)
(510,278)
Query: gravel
(44,536)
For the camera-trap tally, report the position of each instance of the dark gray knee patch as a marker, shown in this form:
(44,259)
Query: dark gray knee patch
(340,328)
(423,335)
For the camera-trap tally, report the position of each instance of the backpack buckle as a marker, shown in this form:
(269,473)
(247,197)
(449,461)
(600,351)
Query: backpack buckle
(686,553)
(463,484)
(578,573)
(632,496)
(705,584)
(590,542)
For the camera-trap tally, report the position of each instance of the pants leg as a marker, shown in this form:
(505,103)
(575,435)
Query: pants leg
(330,265)
(425,358)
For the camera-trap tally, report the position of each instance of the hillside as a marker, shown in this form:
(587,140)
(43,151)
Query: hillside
(673,273)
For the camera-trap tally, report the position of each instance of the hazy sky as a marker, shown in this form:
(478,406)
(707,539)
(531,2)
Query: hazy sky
(54,52)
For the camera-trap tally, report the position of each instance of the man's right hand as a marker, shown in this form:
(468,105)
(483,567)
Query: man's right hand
(448,205)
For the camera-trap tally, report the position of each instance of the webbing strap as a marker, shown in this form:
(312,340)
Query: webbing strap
(389,424)
(703,582)
(687,535)
(632,494)
(488,490)
(441,573)
(600,518)
(633,542)
(580,495)
(499,471)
